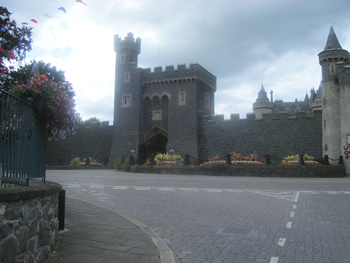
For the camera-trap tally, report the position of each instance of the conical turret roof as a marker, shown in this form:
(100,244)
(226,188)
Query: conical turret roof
(332,41)
(262,94)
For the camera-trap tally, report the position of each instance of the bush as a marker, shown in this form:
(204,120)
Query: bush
(118,164)
(163,157)
(219,166)
(126,164)
(295,158)
(136,169)
(91,160)
(75,160)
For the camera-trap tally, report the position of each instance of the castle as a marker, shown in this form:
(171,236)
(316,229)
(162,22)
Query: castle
(171,110)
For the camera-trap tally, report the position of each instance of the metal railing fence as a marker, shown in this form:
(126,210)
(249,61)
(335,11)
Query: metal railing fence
(23,139)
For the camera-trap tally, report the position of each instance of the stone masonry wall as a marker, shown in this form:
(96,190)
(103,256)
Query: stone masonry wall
(28,222)
(88,141)
(280,137)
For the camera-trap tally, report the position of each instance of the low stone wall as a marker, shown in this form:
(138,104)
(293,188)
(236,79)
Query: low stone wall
(251,170)
(28,220)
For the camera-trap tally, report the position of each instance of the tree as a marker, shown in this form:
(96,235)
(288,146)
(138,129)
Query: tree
(13,38)
(14,43)
(92,119)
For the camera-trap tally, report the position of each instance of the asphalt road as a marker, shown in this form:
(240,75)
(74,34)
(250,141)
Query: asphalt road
(227,219)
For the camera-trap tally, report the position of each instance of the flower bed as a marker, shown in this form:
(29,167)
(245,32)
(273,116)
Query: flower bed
(306,163)
(234,163)
(248,170)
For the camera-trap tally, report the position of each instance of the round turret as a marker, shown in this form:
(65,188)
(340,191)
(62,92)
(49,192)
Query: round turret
(335,98)
(262,105)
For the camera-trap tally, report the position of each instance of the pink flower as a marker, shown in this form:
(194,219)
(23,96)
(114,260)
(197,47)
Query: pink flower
(11,54)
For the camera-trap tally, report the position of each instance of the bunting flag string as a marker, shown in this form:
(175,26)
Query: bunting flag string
(80,1)
(63,9)
(49,15)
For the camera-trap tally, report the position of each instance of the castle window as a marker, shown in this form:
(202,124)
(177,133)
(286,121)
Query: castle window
(157,115)
(126,77)
(126,100)
(182,98)
(207,101)
(332,69)
(122,58)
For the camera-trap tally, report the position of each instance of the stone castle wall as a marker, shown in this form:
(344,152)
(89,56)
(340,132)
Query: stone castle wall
(91,140)
(278,136)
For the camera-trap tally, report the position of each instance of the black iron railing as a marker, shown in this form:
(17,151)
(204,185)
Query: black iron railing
(23,135)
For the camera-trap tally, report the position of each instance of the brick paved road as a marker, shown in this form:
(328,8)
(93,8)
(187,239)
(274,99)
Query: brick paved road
(228,219)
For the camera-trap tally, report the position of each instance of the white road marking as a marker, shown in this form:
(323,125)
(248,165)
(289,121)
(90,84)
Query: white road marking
(294,206)
(119,187)
(189,189)
(290,196)
(333,193)
(73,185)
(166,189)
(281,242)
(213,190)
(346,192)
(233,191)
(96,186)
(142,188)
(289,225)
(274,260)
(292,214)
(296,197)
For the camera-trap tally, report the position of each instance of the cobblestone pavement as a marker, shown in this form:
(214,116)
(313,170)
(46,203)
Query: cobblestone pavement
(227,219)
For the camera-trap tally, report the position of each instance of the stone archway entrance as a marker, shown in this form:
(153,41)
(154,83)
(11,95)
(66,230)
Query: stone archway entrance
(155,141)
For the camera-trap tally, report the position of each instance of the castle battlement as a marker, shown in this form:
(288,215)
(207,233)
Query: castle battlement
(92,125)
(218,118)
(182,73)
(128,42)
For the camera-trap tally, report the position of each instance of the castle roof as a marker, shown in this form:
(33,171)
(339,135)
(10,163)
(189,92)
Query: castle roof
(262,94)
(332,41)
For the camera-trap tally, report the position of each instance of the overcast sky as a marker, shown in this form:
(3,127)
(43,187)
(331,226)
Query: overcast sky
(244,43)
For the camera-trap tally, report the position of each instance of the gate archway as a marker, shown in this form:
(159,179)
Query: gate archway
(155,141)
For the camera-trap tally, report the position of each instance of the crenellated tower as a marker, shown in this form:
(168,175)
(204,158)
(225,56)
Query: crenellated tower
(126,96)
(335,99)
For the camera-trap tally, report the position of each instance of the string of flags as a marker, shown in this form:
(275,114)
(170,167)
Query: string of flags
(48,15)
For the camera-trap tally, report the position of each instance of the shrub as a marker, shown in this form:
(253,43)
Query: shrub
(219,166)
(91,160)
(75,160)
(126,164)
(163,157)
(118,164)
(136,169)
(295,158)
